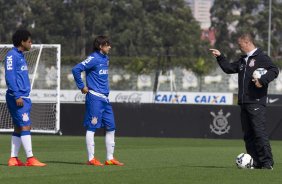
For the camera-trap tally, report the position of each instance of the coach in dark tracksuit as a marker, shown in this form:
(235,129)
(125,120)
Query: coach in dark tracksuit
(252,97)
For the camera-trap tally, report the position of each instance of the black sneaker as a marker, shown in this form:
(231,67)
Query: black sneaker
(267,167)
(256,166)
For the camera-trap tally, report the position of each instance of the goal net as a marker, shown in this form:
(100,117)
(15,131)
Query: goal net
(44,73)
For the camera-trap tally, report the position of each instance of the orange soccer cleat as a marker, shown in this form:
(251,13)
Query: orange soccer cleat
(14,161)
(95,162)
(113,162)
(32,161)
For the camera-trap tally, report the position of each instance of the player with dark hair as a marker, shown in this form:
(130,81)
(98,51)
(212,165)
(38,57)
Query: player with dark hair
(100,40)
(18,100)
(99,113)
(252,96)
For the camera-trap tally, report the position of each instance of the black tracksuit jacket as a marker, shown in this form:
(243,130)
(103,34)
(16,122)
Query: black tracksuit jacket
(248,92)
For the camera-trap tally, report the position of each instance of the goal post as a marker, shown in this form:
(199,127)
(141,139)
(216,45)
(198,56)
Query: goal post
(44,66)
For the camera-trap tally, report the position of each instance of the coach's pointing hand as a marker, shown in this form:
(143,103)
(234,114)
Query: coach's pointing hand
(215,52)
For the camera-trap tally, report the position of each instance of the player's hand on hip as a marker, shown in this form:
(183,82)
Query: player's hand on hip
(84,90)
(215,52)
(256,81)
(19,102)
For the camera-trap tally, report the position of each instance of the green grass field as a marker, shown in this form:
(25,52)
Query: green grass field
(148,160)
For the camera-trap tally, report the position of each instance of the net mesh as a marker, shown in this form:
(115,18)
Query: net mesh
(44,68)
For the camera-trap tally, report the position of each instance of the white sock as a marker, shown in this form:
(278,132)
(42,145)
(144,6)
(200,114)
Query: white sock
(16,143)
(110,144)
(26,141)
(90,144)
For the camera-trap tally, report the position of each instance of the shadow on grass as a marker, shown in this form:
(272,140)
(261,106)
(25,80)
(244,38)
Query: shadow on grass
(62,162)
(209,166)
(55,162)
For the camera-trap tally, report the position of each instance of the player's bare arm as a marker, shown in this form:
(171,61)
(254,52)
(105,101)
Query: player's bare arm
(215,52)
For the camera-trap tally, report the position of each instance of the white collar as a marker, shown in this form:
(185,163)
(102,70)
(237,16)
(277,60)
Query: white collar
(251,52)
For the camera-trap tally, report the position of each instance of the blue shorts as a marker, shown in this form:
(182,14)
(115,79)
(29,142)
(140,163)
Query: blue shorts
(20,115)
(99,113)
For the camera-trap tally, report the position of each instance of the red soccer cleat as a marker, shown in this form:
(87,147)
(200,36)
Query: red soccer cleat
(32,161)
(14,161)
(95,162)
(113,162)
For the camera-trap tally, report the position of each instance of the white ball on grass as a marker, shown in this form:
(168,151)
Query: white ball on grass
(244,161)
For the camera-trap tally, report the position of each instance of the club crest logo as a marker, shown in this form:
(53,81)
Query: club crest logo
(220,123)
(25,117)
(94,120)
(252,63)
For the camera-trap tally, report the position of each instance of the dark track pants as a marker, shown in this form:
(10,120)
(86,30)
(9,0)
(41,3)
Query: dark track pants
(253,120)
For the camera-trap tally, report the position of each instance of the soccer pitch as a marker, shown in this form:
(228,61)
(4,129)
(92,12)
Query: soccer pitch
(147,160)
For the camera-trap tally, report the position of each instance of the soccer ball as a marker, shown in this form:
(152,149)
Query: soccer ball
(259,72)
(244,161)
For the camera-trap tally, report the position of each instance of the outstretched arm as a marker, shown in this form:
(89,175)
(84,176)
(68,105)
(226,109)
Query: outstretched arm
(215,52)
(227,67)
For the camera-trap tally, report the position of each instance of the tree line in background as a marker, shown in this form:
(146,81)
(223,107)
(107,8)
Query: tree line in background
(146,34)
(229,18)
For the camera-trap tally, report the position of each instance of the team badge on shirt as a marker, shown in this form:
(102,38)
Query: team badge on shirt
(94,120)
(252,63)
(25,117)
